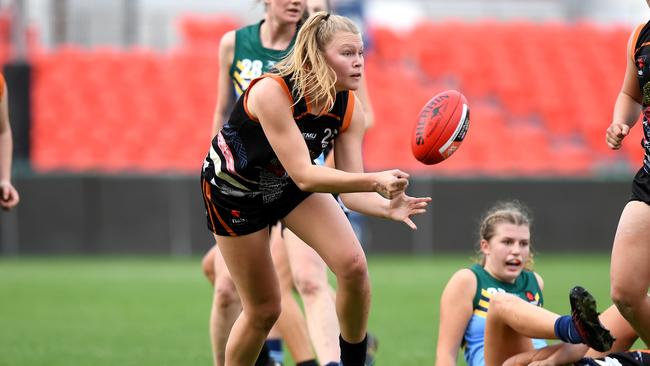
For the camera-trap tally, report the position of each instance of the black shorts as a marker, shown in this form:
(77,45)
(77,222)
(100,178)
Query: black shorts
(234,216)
(631,358)
(641,187)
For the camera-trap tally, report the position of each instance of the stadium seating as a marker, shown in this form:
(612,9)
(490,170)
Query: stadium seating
(541,96)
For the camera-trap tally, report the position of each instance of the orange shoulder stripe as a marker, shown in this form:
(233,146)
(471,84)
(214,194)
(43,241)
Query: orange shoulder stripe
(3,85)
(275,77)
(636,33)
(349,110)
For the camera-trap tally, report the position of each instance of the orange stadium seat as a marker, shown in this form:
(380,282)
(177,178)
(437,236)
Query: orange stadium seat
(205,30)
(539,102)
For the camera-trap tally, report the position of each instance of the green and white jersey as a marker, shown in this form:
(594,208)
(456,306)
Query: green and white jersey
(251,59)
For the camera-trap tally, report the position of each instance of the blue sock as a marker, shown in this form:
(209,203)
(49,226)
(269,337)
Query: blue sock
(566,330)
(275,349)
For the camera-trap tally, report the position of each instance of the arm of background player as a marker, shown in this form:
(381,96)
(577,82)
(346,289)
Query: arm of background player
(8,194)
(455,312)
(628,102)
(224,87)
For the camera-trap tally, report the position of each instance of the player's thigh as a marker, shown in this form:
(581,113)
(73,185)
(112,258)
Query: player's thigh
(248,259)
(225,293)
(217,273)
(631,251)
(218,264)
(281,257)
(207,264)
(320,222)
(502,341)
(305,263)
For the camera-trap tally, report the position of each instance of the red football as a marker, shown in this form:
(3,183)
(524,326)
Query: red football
(441,127)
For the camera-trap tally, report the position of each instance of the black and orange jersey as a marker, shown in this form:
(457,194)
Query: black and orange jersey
(241,161)
(640,54)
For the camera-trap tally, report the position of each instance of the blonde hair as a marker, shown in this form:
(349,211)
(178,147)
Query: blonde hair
(312,77)
(510,212)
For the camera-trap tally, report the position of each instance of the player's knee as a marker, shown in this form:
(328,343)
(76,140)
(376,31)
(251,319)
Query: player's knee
(625,298)
(355,270)
(207,264)
(309,286)
(225,293)
(264,315)
(500,302)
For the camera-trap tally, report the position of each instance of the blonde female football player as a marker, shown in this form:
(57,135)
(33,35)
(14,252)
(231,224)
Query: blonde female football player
(280,124)
(298,260)
(244,55)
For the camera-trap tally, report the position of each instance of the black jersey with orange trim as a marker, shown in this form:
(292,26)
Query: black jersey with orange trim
(241,161)
(640,54)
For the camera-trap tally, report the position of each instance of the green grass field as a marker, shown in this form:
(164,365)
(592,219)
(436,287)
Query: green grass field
(154,311)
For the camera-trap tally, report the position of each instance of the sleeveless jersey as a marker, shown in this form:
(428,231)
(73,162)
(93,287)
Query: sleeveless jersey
(640,54)
(241,162)
(525,287)
(251,59)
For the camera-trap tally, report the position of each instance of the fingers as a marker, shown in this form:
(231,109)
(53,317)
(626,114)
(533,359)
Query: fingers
(4,198)
(422,200)
(400,174)
(615,134)
(616,130)
(421,204)
(6,204)
(392,185)
(624,130)
(396,188)
(400,184)
(8,197)
(613,144)
(410,223)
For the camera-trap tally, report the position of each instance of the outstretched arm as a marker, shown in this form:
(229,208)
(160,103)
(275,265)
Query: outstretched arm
(628,102)
(8,195)
(268,102)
